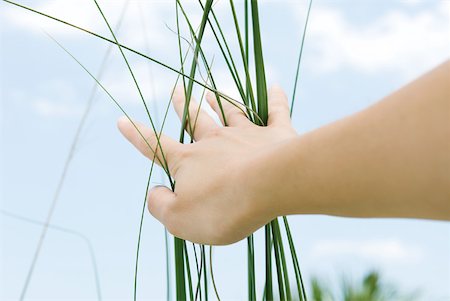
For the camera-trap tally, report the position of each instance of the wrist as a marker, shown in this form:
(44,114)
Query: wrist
(268,176)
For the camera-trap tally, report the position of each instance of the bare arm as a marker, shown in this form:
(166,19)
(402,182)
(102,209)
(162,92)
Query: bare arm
(390,160)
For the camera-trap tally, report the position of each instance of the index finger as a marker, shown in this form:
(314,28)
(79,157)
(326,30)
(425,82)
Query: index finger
(145,140)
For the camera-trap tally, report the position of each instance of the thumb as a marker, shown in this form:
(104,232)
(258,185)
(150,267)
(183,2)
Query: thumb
(160,200)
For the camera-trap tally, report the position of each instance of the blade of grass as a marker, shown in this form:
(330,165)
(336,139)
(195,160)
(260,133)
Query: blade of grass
(205,274)
(188,92)
(268,293)
(80,235)
(138,89)
(188,271)
(161,126)
(212,273)
(249,88)
(139,132)
(300,56)
(278,261)
(261,86)
(250,241)
(199,273)
(287,286)
(224,96)
(228,58)
(68,162)
(298,275)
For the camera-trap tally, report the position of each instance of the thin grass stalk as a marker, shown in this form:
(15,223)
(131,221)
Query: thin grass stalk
(268,293)
(212,273)
(199,267)
(80,235)
(278,261)
(298,275)
(297,72)
(134,125)
(261,85)
(161,174)
(179,251)
(68,162)
(250,242)
(205,274)
(172,69)
(164,161)
(140,232)
(189,89)
(205,62)
(287,285)
(188,272)
(245,62)
(179,269)
(228,59)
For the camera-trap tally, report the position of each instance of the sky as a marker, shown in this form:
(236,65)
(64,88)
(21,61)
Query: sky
(356,52)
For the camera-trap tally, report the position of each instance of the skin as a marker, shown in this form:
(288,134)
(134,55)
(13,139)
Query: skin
(389,160)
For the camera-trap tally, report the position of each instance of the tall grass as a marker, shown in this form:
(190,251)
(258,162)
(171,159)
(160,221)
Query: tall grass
(254,99)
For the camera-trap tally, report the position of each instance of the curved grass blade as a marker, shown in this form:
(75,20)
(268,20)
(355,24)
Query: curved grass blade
(300,56)
(244,55)
(83,237)
(224,96)
(68,162)
(212,273)
(166,166)
(161,126)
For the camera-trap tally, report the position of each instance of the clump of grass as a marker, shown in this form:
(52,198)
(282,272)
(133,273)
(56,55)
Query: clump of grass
(255,103)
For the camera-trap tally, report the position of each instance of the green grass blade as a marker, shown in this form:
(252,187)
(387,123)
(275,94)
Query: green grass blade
(180,281)
(212,273)
(300,57)
(287,285)
(68,162)
(80,235)
(166,166)
(140,232)
(205,274)
(228,59)
(244,60)
(261,85)
(268,293)
(205,62)
(189,88)
(172,69)
(276,248)
(298,275)
(188,272)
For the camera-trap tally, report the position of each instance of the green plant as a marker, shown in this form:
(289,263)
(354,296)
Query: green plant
(371,288)
(253,98)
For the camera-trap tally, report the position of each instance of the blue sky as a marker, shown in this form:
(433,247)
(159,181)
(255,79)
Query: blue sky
(355,53)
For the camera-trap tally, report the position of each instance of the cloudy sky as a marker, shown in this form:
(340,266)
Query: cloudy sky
(356,52)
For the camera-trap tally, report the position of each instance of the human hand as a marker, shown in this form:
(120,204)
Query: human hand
(212,202)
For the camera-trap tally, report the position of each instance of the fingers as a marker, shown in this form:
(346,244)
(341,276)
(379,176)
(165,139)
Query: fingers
(198,120)
(233,115)
(159,200)
(278,107)
(150,145)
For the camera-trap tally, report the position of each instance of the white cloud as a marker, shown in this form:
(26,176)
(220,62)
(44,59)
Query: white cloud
(401,42)
(154,15)
(382,251)
(49,108)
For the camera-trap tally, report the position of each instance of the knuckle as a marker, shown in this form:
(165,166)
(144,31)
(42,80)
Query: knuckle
(215,132)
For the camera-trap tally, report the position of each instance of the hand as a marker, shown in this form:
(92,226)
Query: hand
(212,203)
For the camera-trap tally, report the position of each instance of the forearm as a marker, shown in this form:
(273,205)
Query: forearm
(390,160)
